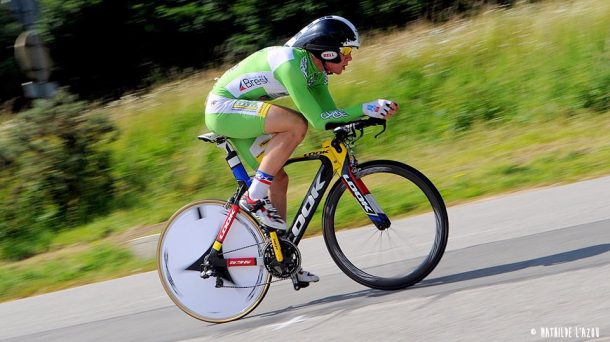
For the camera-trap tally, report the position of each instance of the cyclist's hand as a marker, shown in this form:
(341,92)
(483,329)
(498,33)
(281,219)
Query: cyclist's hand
(381,109)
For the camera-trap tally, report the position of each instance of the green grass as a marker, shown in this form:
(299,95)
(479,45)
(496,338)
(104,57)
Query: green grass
(510,100)
(69,268)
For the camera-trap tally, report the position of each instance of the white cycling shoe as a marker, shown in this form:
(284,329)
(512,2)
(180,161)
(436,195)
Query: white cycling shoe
(306,277)
(263,210)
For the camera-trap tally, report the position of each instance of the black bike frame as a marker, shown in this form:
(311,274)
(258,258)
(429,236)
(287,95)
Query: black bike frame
(334,158)
(314,195)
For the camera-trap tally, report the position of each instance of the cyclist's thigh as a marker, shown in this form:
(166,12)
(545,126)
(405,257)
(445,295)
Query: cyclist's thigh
(234,118)
(282,119)
(252,150)
(243,121)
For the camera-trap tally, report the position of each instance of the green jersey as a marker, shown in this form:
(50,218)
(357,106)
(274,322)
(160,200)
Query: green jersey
(285,71)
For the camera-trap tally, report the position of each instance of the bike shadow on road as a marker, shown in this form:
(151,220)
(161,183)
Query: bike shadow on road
(546,261)
(335,299)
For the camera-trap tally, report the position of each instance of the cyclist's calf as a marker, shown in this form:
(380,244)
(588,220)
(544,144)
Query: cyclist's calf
(277,192)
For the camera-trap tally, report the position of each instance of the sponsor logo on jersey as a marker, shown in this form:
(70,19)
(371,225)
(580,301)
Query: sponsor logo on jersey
(256,81)
(335,114)
(245,105)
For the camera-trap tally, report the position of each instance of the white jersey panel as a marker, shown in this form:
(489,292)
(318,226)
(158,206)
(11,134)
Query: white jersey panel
(278,56)
(250,81)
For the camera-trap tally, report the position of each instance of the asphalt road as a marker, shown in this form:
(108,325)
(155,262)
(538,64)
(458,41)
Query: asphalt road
(530,266)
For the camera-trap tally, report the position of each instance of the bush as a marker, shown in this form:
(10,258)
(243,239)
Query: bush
(56,173)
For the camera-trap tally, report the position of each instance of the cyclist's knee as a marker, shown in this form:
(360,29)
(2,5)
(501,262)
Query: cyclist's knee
(300,129)
(296,131)
(285,120)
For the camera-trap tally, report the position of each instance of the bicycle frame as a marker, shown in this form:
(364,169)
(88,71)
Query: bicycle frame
(213,236)
(334,159)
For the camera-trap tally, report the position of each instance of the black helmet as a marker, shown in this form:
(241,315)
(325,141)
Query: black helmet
(324,36)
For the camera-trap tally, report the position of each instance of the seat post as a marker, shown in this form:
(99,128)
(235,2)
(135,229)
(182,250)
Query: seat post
(235,163)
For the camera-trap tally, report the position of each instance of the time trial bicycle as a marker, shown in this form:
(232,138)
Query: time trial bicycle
(216,261)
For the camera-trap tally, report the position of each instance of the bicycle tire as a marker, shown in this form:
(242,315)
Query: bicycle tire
(363,271)
(186,237)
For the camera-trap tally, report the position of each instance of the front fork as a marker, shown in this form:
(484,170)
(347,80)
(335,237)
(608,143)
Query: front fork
(364,197)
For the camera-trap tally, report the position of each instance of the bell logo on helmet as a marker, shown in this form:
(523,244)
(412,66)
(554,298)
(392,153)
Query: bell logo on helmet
(329,55)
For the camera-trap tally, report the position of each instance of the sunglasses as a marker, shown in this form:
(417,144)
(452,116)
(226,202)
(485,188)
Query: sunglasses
(345,50)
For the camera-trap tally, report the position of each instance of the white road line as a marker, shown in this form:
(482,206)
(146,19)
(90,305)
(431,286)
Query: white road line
(287,323)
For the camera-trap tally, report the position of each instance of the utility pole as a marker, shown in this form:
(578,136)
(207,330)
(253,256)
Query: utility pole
(30,51)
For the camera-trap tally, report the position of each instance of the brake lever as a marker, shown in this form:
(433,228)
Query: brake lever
(383,130)
(354,129)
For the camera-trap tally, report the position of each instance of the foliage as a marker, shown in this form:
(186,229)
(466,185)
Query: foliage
(147,41)
(55,174)
(507,68)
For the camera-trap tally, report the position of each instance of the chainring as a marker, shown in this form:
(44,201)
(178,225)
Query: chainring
(287,267)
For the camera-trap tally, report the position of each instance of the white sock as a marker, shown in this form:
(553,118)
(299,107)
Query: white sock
(260,185)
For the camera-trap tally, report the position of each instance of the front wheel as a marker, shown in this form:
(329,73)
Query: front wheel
(387,258)
(185,241)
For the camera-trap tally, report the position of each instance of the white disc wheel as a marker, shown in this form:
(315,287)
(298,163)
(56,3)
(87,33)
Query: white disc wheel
(189,235)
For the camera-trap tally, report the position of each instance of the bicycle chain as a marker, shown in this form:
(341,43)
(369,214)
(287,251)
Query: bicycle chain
(355,169)
(240,248)
(252,286)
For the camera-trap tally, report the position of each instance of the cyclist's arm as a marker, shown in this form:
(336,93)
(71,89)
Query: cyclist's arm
(315,103)
(322,95)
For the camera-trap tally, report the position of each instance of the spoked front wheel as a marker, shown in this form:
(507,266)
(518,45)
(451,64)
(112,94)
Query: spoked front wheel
(387,258)
(188,237)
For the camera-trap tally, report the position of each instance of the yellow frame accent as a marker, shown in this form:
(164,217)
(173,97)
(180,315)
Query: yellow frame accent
(336,157)
(275,242)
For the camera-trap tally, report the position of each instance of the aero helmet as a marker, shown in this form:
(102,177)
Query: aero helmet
(324,36)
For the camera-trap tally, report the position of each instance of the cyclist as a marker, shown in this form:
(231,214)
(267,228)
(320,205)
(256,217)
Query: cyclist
(265,134)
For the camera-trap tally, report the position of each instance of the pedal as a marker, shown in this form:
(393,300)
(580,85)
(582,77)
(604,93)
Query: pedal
(298,284)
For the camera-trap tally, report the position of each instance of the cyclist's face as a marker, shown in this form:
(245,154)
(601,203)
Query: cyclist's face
(337,68)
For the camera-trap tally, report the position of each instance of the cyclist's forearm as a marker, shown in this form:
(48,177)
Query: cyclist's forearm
(330,113)
(354,112)
(337,116)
